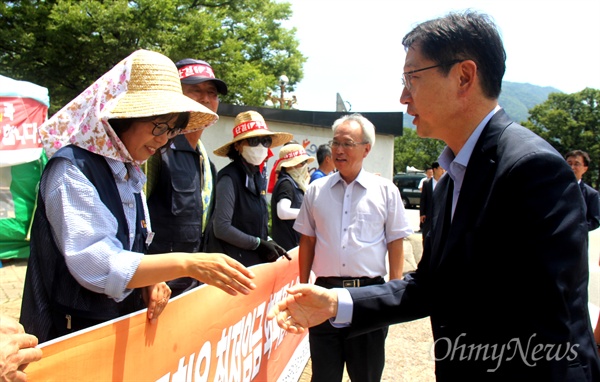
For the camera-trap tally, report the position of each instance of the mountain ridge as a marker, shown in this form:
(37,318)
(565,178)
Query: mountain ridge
(516,99)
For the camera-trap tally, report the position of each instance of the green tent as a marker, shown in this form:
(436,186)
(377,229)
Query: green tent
(23,107)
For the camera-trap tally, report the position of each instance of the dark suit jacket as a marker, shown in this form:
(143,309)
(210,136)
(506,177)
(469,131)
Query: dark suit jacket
(592,203)
(506,291)
(426,206)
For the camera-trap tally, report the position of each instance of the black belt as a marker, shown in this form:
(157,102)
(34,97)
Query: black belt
(346,282)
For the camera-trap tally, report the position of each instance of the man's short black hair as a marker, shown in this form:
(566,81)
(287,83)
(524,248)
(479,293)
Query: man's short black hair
(323,152)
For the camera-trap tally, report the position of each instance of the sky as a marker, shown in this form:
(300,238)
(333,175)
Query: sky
(354,47)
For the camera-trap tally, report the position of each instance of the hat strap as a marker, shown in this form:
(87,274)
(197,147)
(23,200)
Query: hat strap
(247,126)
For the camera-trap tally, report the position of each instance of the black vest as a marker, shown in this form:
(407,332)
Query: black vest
(54,303)
(175,204)
(250,214)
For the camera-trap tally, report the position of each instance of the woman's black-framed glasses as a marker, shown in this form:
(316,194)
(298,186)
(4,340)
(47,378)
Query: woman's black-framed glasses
(162,127)
(264,140)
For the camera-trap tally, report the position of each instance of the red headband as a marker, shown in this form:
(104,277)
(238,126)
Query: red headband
(196,70)
(249,126)
(293,154)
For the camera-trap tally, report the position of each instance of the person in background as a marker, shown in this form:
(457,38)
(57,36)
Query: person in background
(181,179)
(292,181)
(91,227)
(580,161)
(17,350)
(426,203)
(428,175)
(527,323)
(273,175)
(239,225)
(325,161)
(349,222)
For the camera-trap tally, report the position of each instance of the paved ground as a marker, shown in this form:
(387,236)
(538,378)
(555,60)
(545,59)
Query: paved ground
(12,277)
(407,347)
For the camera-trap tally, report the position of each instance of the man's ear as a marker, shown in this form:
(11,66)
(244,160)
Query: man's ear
(467,73)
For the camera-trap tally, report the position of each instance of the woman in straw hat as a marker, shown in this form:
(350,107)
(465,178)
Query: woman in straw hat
(91,226)
(239,226)
(291,170)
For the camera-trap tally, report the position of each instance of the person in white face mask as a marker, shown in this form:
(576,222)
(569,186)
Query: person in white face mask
(239,224)
(292,180)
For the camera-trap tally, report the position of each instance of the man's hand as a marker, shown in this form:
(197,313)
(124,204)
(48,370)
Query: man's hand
(306,305)
(222,271)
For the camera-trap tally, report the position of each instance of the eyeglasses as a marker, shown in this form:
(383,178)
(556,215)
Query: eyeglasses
(406,76)
(199,93)
(574,164)
(345,145)
(254,141)
(162,127)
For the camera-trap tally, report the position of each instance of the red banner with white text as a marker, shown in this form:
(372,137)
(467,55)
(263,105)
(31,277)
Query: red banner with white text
(19,122)
(203,335)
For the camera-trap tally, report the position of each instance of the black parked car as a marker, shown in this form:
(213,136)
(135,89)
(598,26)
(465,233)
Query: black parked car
(408,184)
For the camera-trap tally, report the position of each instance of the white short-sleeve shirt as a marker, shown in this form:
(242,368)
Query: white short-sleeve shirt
(352,223)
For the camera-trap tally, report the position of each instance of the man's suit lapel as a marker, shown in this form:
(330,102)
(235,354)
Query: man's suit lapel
(475,188)
(442,209)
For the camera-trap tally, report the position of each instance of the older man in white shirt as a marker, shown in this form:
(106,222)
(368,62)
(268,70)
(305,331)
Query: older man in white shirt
(348,222)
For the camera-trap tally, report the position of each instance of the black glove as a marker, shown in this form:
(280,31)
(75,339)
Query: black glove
(271,251)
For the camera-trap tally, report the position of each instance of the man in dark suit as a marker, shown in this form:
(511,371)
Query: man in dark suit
(579,161)
(490,321)
(426,203)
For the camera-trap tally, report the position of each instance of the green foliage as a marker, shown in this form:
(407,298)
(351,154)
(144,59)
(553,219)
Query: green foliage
(410,150)
(569,122)
(66,45)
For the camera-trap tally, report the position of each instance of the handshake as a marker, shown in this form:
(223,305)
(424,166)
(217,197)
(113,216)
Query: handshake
(271,251)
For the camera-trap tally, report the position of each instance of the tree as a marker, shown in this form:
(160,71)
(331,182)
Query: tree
(410,150)
(66,45)
(569,122)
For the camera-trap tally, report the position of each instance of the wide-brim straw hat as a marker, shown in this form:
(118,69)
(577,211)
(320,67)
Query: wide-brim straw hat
(250,124)
(154,88)
(292,155)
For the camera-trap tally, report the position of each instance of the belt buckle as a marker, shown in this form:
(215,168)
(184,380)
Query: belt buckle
(354,283)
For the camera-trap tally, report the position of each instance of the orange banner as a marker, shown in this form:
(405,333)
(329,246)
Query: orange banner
(203,335)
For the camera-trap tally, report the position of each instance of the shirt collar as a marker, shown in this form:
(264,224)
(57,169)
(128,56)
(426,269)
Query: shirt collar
(456,165)
(361,179)
(121,170)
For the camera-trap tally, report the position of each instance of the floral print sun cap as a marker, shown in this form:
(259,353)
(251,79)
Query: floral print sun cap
(143,84)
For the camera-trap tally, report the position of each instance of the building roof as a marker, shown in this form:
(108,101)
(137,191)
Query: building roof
(385,122)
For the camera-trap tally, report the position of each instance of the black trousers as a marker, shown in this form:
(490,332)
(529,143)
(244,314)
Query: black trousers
(331,348)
